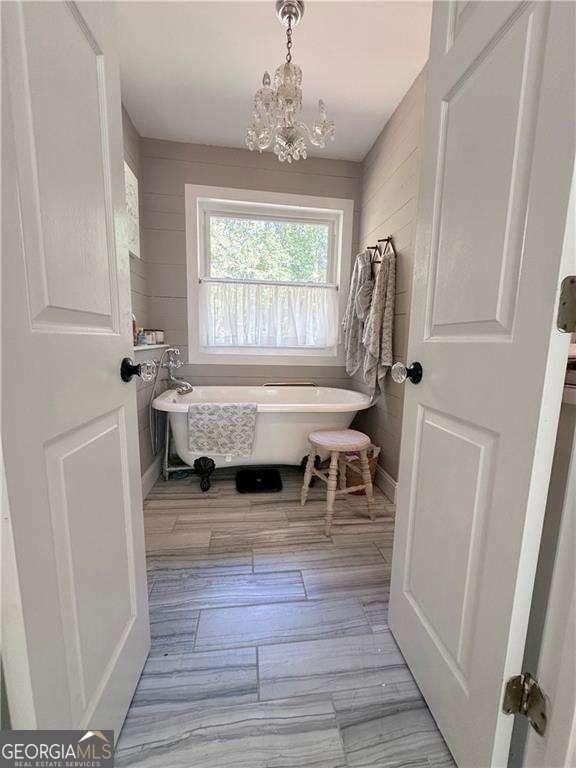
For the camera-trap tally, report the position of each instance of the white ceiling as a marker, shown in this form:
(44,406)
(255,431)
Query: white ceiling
(190,69)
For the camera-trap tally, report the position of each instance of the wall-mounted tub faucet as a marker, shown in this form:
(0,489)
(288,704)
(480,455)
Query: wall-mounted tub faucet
(172,361)
(169,359)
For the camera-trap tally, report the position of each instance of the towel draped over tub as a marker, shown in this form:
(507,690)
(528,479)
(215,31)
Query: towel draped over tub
(222,429)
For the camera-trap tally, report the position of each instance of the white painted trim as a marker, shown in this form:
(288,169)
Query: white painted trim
(386,483)
(151,475)
(556,670)
(195,192)
(14,646)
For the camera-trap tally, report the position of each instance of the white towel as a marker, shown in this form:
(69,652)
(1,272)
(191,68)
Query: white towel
(222,429)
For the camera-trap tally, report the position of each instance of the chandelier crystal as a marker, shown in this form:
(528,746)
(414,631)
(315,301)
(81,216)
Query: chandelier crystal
(276,119)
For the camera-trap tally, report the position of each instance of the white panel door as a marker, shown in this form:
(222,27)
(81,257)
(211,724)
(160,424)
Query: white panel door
(478,437)
(69,422)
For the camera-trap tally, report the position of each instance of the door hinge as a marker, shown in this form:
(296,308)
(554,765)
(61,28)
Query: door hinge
(523,696)
(566,320)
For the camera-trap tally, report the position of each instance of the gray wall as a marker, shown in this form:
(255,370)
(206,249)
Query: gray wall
(166,167)
(139,297)
(138,269)
(388,203)
(385,192)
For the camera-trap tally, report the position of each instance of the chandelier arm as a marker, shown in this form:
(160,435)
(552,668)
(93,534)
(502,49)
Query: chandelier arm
(315,140)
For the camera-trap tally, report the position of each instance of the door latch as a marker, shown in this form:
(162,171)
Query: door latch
(566,321)
(523,696)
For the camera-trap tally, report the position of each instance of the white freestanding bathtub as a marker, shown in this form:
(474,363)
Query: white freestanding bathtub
(285,417)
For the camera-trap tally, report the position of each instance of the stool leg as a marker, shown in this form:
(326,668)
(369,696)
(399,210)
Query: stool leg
(307,476)
(331,495)
(342,475)
(367,480)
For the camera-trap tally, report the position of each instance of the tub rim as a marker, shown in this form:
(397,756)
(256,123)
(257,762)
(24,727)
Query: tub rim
(166,402)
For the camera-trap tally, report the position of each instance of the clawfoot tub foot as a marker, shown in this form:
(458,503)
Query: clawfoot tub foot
(204,466)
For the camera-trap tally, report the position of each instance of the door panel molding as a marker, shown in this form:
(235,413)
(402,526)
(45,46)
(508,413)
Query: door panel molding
(475,453)
(485,311)
(60,252)
(90,444)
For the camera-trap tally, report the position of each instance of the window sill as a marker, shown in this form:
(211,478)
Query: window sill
(144,347)
(247,357)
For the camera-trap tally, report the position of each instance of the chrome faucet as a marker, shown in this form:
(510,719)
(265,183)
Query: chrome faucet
(171,361)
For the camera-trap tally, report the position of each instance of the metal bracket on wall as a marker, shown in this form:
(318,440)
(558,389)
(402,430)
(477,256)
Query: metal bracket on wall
(566,321)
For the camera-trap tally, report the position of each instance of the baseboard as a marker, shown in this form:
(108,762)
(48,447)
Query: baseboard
(151,475)
(386,483)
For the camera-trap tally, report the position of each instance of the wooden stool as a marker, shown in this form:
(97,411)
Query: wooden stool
(337,442)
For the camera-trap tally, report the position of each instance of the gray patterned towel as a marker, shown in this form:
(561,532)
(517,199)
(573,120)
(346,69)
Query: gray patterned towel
(222,429)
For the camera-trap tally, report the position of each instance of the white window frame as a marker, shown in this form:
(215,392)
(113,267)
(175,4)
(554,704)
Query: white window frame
(202,200)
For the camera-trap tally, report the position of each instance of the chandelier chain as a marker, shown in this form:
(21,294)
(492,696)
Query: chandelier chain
(289,40)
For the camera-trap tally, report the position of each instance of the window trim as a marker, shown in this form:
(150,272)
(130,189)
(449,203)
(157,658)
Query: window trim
(339,209)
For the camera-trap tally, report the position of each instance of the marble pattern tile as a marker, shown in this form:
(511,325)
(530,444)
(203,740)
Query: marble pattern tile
(385,546)
(363,527)
(178,542)
(196,592)
(280,623)
(186,504)
(376,610)
(341,537)
(294,669)
(312,511)
(159,523)
(279,734)
(270,641)
(245,528)
(170,682)
(219,494)
(233,539)
(266,513)
(189,519)
(389,727)
(315,557)
(172,629)
(360,705)
(362,580)
(200,563)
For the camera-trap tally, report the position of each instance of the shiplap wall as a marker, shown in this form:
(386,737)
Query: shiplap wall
(385,192)
(139,297)
(138,269)
(389,199)
(166,166)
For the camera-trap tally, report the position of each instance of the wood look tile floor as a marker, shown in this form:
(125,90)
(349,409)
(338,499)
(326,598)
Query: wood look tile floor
(270,641)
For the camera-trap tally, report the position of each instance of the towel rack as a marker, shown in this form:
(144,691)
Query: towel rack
(290,384)
(378,248)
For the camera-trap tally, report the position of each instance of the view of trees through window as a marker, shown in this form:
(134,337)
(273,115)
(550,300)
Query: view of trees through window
(265,249)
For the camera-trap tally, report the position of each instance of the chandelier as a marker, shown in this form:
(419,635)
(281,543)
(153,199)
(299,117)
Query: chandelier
(276,118)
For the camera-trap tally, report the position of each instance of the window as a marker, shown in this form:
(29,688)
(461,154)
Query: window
(264,275)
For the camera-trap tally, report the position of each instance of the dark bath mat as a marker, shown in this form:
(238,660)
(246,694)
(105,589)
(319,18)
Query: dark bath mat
(180,474)
(258,480)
